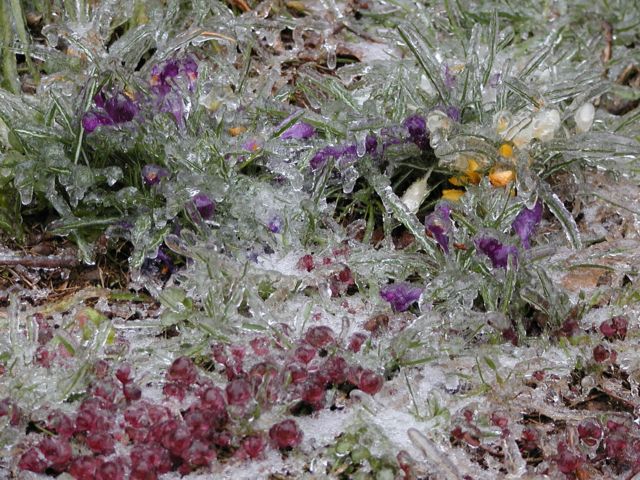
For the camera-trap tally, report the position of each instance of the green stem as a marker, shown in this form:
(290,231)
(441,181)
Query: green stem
(9,68)
(18,16)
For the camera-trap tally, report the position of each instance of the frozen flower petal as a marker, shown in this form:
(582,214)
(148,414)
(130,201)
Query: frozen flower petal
(497,252)
(99,99)
(453,113)
(323,155)
(371,144)
(152,174)
(92,120)
(120,108)
(252,145)
(400,295)
(204,205)
(170,70)
(526,221)
(190,68)
(299,131)
(449,77)
(417,128)
(438,225)
(452,194)
(174,105)
(275,224)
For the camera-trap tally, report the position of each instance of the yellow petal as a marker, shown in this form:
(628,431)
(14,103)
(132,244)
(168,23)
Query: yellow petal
(472,165)
(452,194)
(501,178)
(235,131)
(458,181)
(506,150)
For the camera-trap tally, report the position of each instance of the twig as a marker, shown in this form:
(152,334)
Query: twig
(241,4)
(38,262)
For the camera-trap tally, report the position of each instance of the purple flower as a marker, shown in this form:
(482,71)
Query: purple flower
(160,265)
(164,77)
(117,109)
(99,99)
(323,155)
(497,252)
(160,76)
(190,68)
(275,224)
(400,295)
(449,78)
(120,108)
(417,128)
(174,105)
(526,222)
(252,145)
(152,174)
(371,144)
(299,131)
(204,205)
(494,80)
(453,113)
(93,120)
(438,225)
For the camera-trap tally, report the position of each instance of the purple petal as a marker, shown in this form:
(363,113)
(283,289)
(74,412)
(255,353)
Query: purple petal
(120,108)
(204,205)
(99,99)
(371,144)
(526,222)
(299,131)
(152,174)
(174,105)
(160,265)
(190,68)
(449,78)
(417,128)
(438,225)
(400,295)
(275,224)
(497,252)
(170,70)
(453,113)
(92,120)
(323,155)
(252,145)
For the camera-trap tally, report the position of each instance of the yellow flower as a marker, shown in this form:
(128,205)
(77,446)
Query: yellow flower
(505,150)
(501,177)
(470,175)
(452,194)
(235,131)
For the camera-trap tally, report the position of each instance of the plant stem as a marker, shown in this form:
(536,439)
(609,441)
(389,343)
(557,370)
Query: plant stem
(9,68)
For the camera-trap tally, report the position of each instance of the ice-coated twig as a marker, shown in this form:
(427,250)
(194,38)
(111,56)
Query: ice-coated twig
(31,261)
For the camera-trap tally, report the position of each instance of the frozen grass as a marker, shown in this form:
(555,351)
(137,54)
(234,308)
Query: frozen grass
(433,184)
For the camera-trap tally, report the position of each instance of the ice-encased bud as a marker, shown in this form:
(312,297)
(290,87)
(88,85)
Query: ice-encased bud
(545,124)
(502,121)
(415,194)
(584,117)
(437,120)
